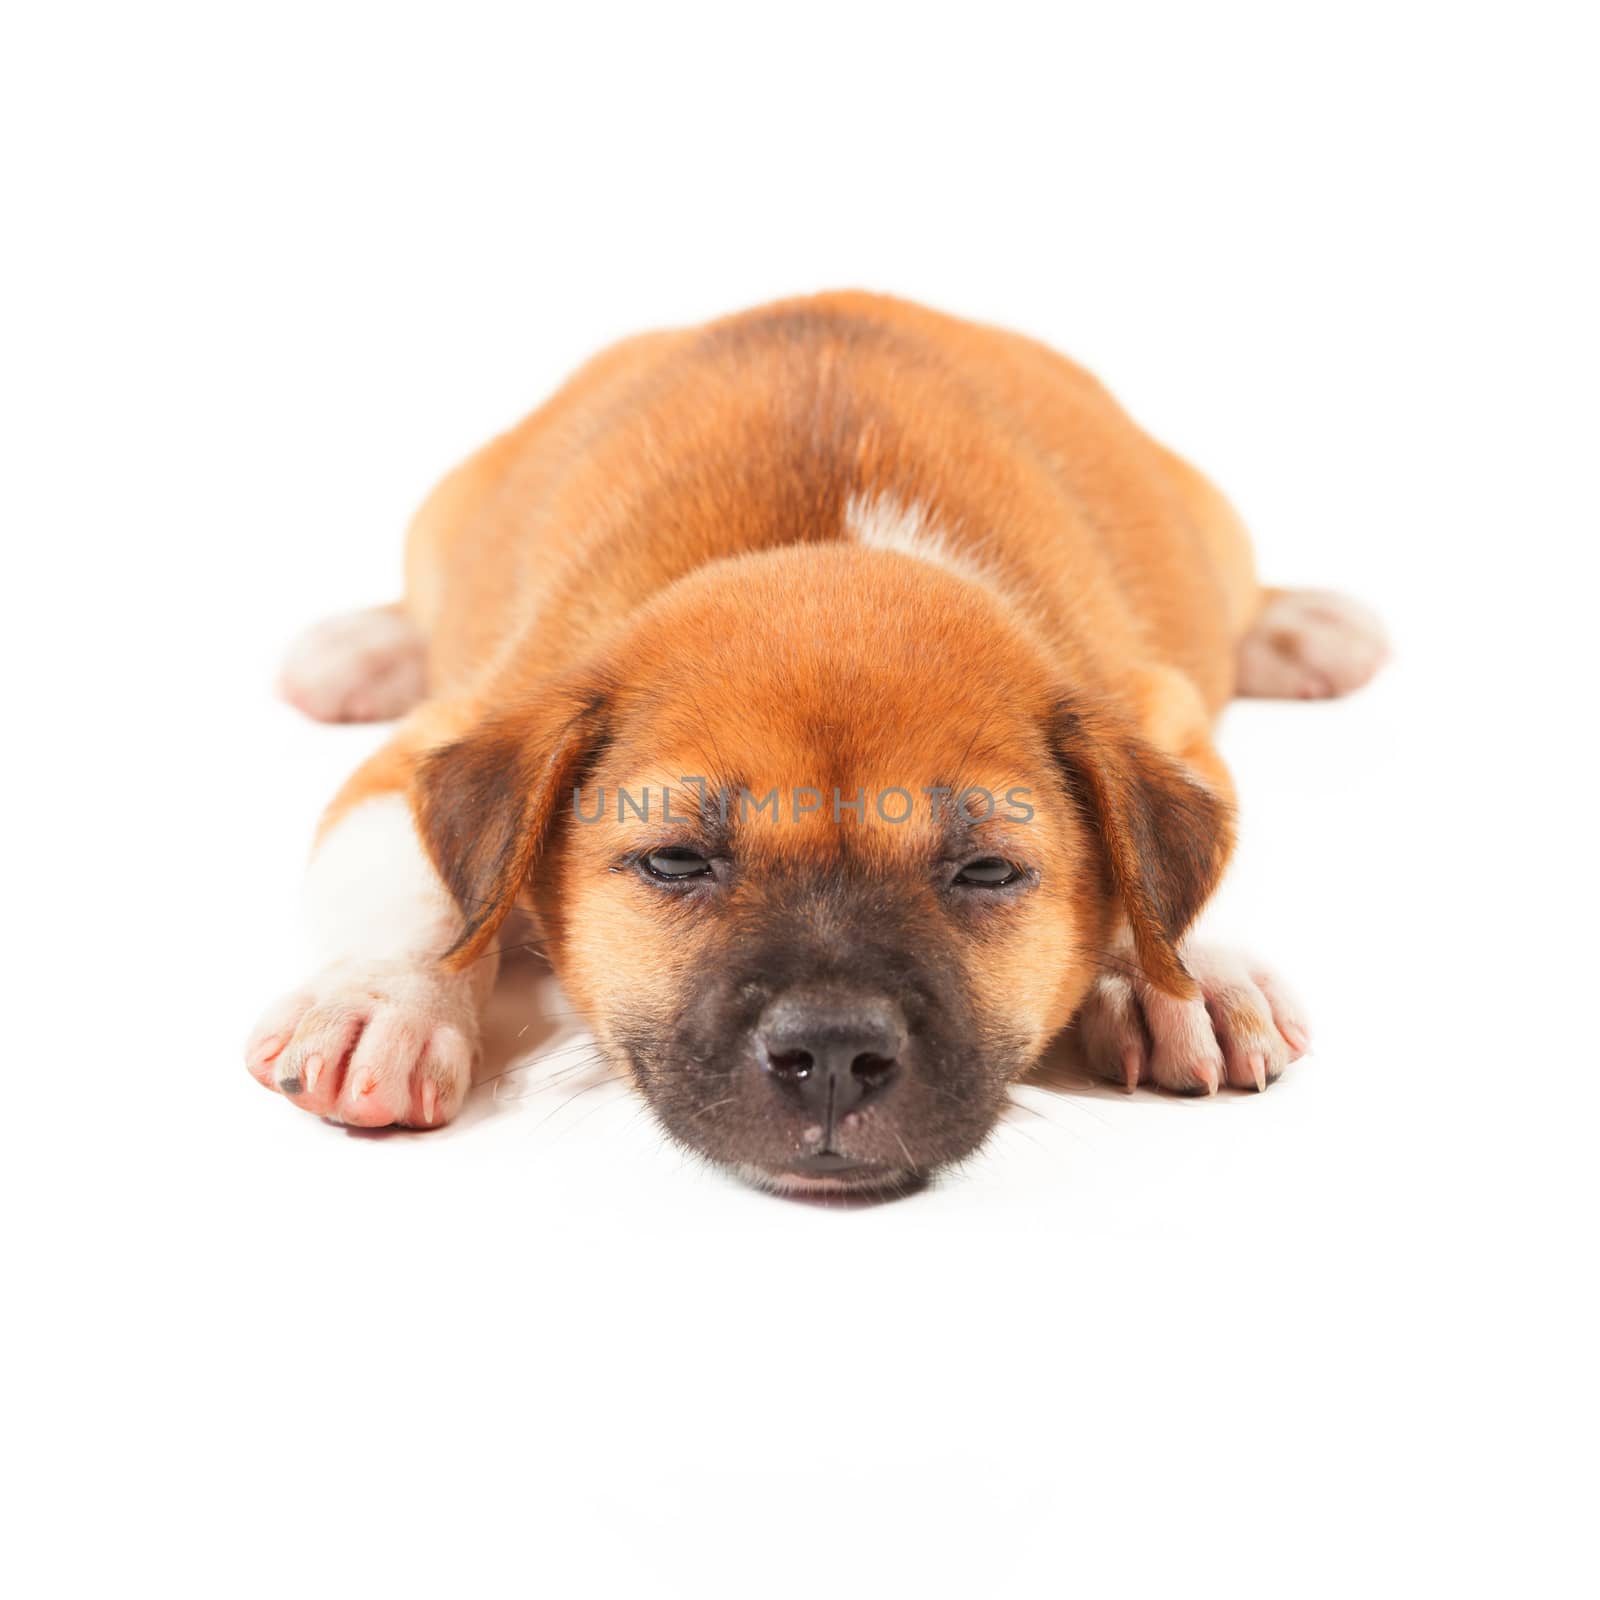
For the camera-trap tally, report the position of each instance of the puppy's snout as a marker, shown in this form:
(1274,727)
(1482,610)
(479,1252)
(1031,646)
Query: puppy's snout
(832,1049)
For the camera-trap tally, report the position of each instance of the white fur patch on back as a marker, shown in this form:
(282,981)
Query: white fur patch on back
(371,891)
(884,523)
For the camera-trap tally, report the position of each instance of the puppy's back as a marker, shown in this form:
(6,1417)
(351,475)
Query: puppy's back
(840,416)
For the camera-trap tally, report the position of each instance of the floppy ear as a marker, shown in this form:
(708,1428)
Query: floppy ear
(485,805)
(1164,836)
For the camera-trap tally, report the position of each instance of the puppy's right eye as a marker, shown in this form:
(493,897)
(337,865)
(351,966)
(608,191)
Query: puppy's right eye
(674,865)
(991,872)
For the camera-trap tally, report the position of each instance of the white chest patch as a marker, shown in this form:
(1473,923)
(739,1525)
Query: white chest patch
(372,892)
(884,523)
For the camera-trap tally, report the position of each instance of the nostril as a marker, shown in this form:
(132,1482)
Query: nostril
(791,1064)
(828,1050)
(871,1071)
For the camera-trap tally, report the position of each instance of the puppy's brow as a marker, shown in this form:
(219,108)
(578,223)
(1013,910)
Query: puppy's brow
(960,834)
(711,802)
(694,809)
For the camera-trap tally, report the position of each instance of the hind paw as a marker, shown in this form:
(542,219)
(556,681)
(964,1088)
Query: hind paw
(1309,644)
(365,666)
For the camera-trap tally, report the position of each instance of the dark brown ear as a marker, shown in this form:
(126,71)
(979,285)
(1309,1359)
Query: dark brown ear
(1165,837)
(485,805)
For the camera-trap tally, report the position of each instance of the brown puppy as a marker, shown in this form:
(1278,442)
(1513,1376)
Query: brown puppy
(832,685)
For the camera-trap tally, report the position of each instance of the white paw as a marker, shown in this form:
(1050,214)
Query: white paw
(365,666)
(1309,644)
(371,1044)
(1243,1029)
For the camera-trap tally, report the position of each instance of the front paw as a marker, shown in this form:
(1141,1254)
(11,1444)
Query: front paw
(371,1044)
(1243,1029)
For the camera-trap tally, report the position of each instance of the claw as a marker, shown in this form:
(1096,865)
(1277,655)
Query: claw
(267,1051)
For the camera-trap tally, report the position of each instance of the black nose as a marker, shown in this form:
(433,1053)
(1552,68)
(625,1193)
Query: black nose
(833,1049)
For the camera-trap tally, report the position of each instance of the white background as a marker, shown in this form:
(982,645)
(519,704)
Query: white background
(268,272)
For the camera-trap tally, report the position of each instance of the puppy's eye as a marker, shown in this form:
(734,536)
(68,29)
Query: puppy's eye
(989,873)
(674,864)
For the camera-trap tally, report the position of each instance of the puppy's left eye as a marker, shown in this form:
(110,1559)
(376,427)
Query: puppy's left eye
(674,864)
(989,873)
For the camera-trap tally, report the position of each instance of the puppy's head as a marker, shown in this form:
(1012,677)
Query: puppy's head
(825,856)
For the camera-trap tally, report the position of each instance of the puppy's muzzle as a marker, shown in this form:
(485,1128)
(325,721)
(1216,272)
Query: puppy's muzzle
(831,1051)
